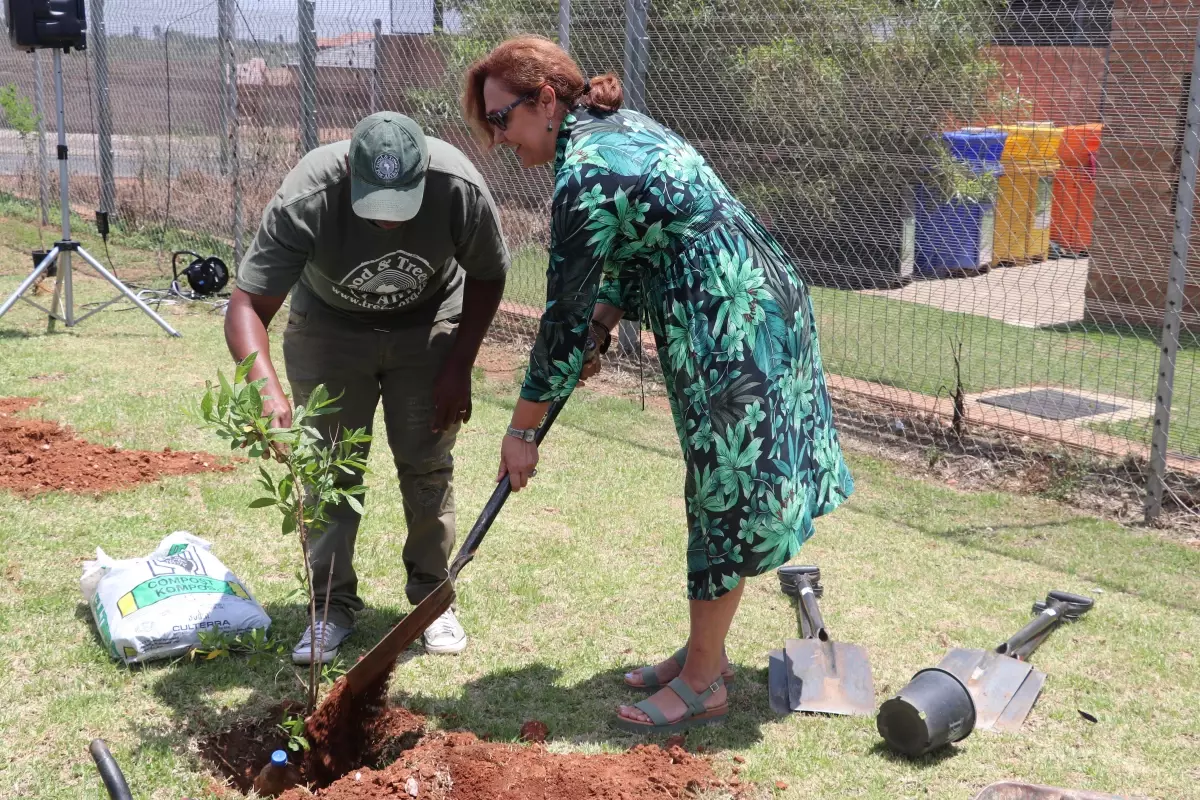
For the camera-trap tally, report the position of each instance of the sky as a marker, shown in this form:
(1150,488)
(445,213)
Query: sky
(269,19)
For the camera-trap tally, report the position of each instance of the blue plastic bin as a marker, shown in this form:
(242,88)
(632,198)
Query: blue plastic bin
(979,147)
(952,238)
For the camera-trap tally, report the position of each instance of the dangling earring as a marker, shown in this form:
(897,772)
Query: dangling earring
(549,125)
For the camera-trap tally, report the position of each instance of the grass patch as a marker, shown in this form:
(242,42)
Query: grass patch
(580,579)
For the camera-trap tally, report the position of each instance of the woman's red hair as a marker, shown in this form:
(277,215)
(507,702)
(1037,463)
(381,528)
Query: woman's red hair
(526,63)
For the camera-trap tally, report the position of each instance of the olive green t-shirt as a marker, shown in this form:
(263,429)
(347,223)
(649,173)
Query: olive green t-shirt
(408,275)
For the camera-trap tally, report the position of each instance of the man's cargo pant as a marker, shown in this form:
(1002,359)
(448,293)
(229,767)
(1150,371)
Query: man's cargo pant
(363,365)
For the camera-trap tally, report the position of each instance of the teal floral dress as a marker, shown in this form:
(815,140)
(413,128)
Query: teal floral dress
(642,223)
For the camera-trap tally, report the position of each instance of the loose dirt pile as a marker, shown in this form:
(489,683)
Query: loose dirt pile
(38,456)
(458,766)
(398,759)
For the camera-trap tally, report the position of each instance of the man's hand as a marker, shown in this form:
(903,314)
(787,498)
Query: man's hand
(246,321)
(276,406)
(452,395)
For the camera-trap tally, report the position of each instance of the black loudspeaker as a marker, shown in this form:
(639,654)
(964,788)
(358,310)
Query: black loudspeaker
(47,24)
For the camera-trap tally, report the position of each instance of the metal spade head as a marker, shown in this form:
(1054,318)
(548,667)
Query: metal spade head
(822,676)
(1003,688)
(827,677)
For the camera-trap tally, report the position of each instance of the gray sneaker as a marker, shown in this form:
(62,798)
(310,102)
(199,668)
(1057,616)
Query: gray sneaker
(332,638)
(445,635)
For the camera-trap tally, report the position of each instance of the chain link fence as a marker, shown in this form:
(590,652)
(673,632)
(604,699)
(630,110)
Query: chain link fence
(991,199)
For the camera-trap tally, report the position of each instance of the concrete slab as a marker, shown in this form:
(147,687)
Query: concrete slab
(1032,296)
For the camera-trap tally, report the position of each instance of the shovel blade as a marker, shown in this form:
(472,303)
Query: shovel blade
(777,682)
(992,679)
(382,657)
(829,677)
(1021,704)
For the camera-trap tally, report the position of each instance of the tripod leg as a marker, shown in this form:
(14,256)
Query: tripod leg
(29,281)
(56,305)
(68,283)
(123,289)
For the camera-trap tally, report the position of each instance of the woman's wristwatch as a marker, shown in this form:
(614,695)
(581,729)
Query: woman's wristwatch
(600,343)
(524,434)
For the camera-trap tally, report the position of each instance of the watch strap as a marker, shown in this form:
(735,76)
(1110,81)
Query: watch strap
(524,434)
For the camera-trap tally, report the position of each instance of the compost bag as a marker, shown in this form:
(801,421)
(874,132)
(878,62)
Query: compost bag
(157,606)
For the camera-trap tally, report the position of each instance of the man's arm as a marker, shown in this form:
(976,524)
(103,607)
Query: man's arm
(452,392)
(246,321)
(481,252)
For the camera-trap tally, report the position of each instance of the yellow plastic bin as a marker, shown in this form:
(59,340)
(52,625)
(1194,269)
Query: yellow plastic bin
(1026,192)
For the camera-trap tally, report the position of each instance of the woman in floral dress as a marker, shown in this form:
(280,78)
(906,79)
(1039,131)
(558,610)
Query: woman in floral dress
(642,228)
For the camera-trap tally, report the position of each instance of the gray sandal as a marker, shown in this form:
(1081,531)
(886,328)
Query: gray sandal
(697,713)
(650,679)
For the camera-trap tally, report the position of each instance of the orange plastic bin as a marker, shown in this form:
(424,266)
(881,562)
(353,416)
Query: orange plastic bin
(1075,188)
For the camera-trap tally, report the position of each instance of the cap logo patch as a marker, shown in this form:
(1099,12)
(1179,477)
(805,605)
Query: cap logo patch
(387,168)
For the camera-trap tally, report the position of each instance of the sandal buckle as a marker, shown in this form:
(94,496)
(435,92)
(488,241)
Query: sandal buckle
(715,686)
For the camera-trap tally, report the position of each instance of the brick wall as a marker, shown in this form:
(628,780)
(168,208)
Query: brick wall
(1062,84)
(409,61)
(1150,67)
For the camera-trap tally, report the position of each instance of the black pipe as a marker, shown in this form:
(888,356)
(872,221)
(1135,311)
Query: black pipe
(110,773)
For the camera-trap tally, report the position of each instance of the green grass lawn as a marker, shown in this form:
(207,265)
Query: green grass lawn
(911,346)
(580,579)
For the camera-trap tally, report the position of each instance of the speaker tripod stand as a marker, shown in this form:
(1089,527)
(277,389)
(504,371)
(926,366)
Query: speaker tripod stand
(62,250)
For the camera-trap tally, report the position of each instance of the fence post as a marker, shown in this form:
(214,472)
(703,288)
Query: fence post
(99,45)
(39,107)
(307,34)
(1176,277)
(636,52)
(226,76)
(636,62)
(564,24)
(376,85)
(236,158)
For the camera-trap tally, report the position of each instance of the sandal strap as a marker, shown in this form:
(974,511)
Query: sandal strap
(649,674)
(653,712)
(694,700)
(680,656)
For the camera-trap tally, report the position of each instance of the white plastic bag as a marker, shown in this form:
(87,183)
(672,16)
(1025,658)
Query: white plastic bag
(156,606)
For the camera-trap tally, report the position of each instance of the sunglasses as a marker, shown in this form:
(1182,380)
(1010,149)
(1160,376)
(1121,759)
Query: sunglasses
(499,119)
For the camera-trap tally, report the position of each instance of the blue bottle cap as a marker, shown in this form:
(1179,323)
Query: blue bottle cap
(279,758)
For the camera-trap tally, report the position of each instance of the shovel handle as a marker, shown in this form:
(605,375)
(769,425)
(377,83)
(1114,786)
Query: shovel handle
(1023,652)
(1077,604)
(807,607)
(1058,606)
(496,502)
(1034,629)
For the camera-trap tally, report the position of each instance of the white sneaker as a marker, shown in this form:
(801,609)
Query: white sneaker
(330,641)
(445,635)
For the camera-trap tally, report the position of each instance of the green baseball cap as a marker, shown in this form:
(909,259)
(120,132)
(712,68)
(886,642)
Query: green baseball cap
(388,159)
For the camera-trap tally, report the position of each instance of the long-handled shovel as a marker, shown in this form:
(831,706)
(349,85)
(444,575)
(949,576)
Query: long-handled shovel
(972,689)
(1002,683)
(814,673)
(379,661)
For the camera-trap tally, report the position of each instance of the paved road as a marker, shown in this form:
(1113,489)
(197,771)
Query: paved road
(130,155)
